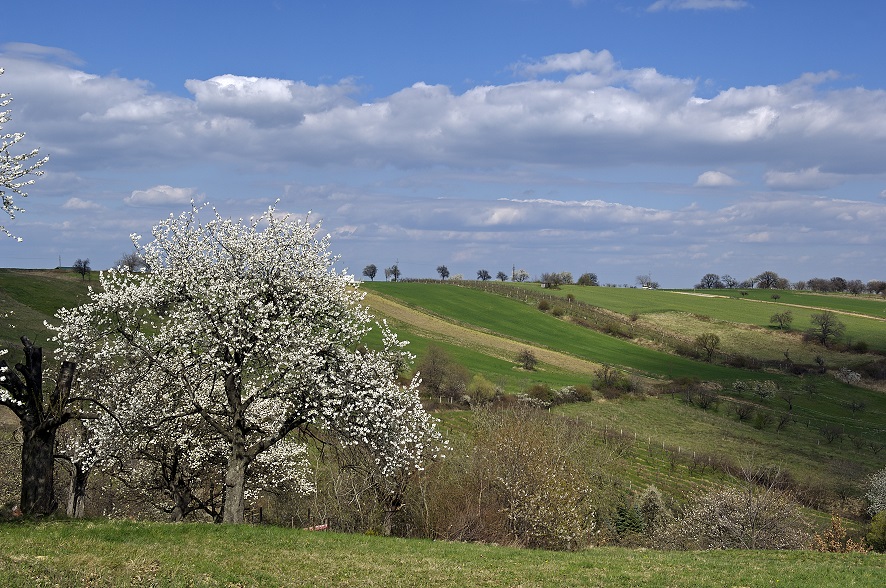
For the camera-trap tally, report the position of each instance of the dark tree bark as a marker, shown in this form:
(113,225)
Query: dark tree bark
(77,490)
(41,414)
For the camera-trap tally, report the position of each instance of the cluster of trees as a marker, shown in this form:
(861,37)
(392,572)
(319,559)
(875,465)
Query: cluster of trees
(771,280)
(207,376)
(391,273)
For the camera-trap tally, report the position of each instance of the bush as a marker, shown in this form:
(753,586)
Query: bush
(558,311)
(737,519)
(876,536)
(544,305)
(481,391)
(542,393)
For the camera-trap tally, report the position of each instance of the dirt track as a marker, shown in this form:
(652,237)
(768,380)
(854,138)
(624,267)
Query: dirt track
(496,346)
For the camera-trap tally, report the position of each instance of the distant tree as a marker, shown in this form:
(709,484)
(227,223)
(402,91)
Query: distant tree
(776,296)
(131,261)
(707,344)
(838,284)
(443,271)
(387,273)
(876,287)
(552,279)
(393,272)
(588,279)
(710,282)
(501,276)
(819,285)
(81,266)
(769,279)
(521,275)
(729,281)
(369,271)
(644,280)
(14,168)
(855,287)
(800,285)
(566,278)
(782,319)
(826,327)
(483,275)
(527,359)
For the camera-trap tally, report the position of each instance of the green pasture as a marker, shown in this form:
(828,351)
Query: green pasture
(122,553)
(728,305)
(524,322)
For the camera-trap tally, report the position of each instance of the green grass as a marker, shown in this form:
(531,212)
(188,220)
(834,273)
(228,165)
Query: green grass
(755,309)
(523,322)
(119,553)
(34,296)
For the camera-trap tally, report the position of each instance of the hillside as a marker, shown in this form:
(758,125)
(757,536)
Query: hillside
(674,442)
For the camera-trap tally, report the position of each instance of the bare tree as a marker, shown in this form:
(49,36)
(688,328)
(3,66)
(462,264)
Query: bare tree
(370,271)
(782,319)
(826,327)
(483,275)
(443,271)
(131,261)
(81,266)
(707,344)
(501,276)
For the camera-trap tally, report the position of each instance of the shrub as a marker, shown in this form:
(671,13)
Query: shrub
(558,311)
(837,540)
(527,359)
(876,536)
(542,393)
(481,390)
(737,519)
(544,305)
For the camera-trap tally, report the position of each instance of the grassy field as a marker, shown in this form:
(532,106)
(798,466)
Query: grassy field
(119,553)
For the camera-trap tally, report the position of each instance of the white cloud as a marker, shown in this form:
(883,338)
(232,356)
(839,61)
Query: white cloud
(80,204)
(806,179)
(162,195)
(716,179)
(697,5)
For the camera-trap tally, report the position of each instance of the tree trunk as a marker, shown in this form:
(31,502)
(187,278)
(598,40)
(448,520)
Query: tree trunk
(77,490)
(38,470)
(235,485)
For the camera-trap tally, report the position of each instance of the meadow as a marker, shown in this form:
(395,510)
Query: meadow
(123,553)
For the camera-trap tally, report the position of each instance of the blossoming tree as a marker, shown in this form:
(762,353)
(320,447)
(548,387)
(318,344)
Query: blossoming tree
(258,336)
(14,168)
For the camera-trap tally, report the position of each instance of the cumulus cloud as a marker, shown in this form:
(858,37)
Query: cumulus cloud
(161,195)
(268,100)
(599,115)
(697,5)
(715,179)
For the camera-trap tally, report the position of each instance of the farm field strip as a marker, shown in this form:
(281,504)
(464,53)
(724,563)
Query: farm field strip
(519,321)
(494,345)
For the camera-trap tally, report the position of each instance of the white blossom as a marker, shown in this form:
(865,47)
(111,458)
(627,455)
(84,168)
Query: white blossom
(14,168)
(244,332)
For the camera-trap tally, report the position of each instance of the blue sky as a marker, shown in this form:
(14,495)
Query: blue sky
(622,137)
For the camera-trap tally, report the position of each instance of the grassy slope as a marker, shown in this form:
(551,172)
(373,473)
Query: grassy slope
(524,323)
(799,447)
(142,554)
(668,420)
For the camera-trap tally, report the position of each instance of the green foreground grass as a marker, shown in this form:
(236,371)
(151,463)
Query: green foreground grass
(119,553)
